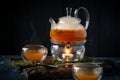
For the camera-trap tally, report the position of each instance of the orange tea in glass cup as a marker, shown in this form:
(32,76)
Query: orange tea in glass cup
(34,55)
(86,76)
(87,71)
(34,52)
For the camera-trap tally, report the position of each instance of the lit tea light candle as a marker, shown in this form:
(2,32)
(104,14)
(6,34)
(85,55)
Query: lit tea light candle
(67,53)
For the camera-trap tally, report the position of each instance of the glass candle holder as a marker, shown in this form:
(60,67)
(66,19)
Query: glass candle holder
(72,52)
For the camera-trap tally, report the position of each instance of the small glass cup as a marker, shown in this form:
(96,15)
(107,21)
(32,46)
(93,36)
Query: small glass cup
(87,71)
(34,53)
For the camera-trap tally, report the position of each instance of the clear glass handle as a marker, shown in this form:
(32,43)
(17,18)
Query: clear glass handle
(86,13)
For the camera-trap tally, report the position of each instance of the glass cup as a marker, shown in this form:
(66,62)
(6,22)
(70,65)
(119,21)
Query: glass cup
(34,53)
(87,71)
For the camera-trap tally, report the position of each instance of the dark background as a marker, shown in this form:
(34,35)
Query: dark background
(27,21)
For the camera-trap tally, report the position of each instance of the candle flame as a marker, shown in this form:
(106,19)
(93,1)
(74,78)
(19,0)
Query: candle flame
(68,49)
(67,53)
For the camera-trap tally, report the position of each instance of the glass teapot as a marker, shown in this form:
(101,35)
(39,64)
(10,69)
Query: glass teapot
(69,29)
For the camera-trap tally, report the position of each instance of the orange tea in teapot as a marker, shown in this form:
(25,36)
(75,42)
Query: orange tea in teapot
(71,36)
(69,29)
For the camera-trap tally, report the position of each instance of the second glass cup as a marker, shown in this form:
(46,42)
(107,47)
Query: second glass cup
(87,71)
(34,53)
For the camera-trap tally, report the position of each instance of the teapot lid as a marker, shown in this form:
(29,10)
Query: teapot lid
(69,19)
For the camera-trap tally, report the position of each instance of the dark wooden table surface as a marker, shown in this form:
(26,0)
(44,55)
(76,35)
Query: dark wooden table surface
(8,72)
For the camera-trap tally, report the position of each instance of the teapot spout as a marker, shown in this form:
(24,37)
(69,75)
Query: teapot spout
(53,24)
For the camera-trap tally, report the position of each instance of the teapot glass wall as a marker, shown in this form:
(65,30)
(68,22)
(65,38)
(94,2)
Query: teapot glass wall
(68,36)
(69,29)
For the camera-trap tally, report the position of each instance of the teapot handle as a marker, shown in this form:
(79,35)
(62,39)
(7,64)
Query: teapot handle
(86,13)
